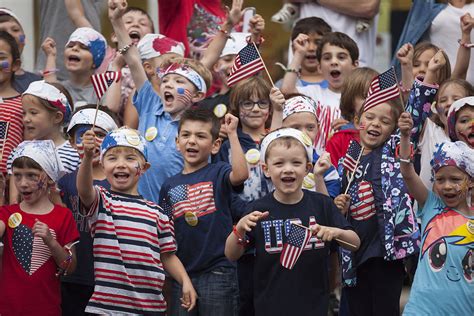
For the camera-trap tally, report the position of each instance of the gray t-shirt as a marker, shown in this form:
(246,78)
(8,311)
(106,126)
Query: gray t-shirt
(80,95)
(55,23)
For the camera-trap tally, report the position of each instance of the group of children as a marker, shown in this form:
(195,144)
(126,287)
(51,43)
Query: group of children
(194,208)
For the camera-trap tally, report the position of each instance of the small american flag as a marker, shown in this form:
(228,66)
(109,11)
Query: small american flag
(383,88)
(3,135)
(247,63)
(103,81)
(197,198)
(298,238)
(365,207)
(352,155)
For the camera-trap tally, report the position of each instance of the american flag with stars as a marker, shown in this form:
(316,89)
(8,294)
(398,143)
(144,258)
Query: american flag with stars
(352,155)
(247,63)
(364,207)
(102,82)
(383,88)
(3,133)
(197,198)
(298,238)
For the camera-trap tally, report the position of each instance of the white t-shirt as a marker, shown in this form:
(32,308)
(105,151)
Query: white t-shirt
(445,31)
(432,135)
(346,24)
(328,110)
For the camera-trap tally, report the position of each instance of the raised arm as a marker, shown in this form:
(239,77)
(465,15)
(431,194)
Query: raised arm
(300,44)
(85,181)
(278,102)
(405,56)
(131,55)
(463,56)
(239,172)
(413,182)
(75,10)
(49,71)
(356,8)
(112,98)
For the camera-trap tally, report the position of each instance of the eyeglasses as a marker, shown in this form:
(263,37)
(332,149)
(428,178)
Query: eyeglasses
(249,105)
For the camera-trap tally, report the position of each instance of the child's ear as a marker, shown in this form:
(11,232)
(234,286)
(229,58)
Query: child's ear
(16,65)
(356,119)
(146,166)
(265,170)
(149,69)
(309,167)
(58,117)
(198,96)
(355,63)
(216,145)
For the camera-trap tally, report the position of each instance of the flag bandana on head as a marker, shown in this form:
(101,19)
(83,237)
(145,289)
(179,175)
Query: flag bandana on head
(383,88)
(187,72)
(155,45)
(298,238)
(299,104)
(94,41)
(246,64)
(102,82)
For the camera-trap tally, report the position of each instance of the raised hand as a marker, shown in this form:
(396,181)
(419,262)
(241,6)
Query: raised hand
(323,164)
(231,122)
(49,47)
(405,124)
(116,9)
(405,54)
(300,44)
(89,143)
(277,99)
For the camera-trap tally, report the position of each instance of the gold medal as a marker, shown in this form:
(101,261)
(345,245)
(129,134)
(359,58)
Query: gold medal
(151,133)
(252,156)
(14,220)
(220,110)
(308,181)
(191,218)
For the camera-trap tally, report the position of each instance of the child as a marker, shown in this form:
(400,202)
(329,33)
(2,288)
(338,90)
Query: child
(77,288)
(198,201)
(303,69)
(354,91)
(10,99)
(84,52)
(461,121)
(9,22)
(132,238)
(38,235)
(380,209)
(338,55)
(287,154)
(299,112)
(181,86)
(443,280)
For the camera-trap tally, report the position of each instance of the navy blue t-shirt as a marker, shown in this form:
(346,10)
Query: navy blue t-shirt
(366,205)
(304,290)
(84,273)
(205,194)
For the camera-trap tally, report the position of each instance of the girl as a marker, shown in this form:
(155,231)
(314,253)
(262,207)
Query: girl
(354,92)
(461,121)
(46,108)
(11,124)
(443,281)
(38,235)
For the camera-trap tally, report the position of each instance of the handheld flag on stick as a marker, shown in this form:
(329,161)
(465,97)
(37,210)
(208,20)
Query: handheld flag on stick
(355,167)
(337,239)
(4,125)
(383,88)
(101,83)
(352,154)
(298,238)
(247,63)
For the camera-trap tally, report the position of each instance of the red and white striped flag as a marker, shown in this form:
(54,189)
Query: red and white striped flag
(3,136)
(102,82)
(298,238)
(246,64)
(196,198)
(352,156)
(364,207)
(383,88)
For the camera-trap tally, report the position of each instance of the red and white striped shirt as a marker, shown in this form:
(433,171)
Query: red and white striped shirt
(11,111)
(129,233)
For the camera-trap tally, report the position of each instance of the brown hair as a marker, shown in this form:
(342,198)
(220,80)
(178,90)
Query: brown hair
(396,109)
(310,25)
(355,85)
(444,73)
(199,114)
(26,162)
(286,141)
(51,108)
(341,40)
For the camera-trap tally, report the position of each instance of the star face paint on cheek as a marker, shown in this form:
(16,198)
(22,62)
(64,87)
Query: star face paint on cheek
(184,96)
(138,169)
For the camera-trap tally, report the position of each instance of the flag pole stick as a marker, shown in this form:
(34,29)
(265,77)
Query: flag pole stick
(353,173)
(96,112)
(337,239)
(3,144)
(264,66)
(399,91)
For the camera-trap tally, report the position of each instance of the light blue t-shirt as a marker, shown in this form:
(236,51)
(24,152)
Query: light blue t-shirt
(160,132)
(443,282)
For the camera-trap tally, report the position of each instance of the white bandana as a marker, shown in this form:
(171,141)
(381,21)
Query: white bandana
(289,132)
(86,117)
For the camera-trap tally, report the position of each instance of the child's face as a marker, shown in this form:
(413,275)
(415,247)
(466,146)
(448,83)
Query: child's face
(310,63)
(137,25)
(452,185)
(32,184)
(123,167)
(446,97)
(15,30)
(223,66)
(287,168)
(253,115)
(38,122)
(464,126)
(303,121)
(6,57)
(336,65)
(420,65)
(195,143)
(78,58)
(177,94)
(376,126)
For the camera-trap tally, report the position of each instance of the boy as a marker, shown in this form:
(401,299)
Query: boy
(304,62)
(9,22)
(133,240)
(338,56)
(198,200)
(77,288)
(181,86)
(286,156)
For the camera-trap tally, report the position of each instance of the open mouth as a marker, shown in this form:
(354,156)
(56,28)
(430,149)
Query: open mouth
(169,97)
(335,74)
(311,57)
(135,36)
(74,58)
(374,133)
(26,195)
(121,176)
(288,180)
(192,150)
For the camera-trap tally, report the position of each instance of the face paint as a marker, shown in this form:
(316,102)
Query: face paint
(21,38)
(80,131)
(138,168)
(42,180)
(184,96)
(5,66)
